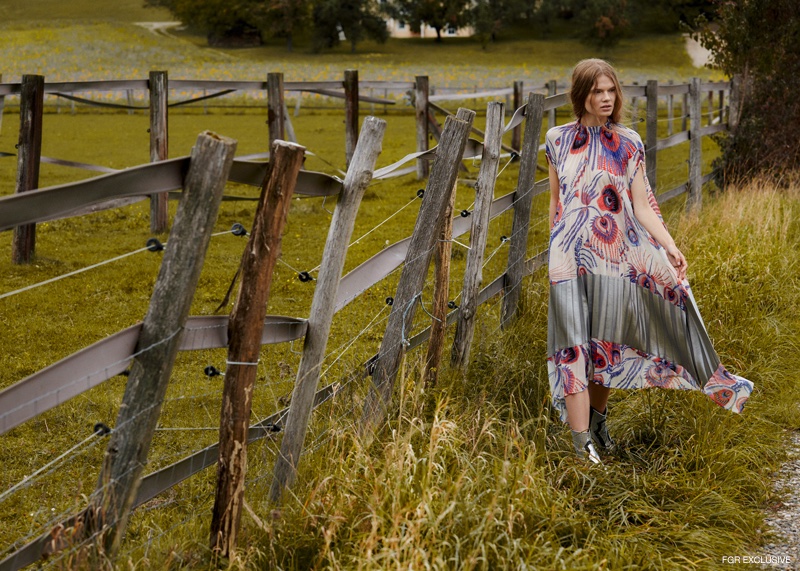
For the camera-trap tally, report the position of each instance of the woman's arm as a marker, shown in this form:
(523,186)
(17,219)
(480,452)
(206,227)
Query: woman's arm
(647,217)
(554,193)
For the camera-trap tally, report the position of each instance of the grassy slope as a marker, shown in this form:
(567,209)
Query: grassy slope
(480,477)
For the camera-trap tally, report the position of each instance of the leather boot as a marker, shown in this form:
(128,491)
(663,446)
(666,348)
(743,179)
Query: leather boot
(599,430)
(584,447)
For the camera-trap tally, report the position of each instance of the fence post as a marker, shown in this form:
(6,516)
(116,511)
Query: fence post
(695,147)
(275,123)
(29,153)
(323,305)
(126,454)
(441,294)
(473,274)
(350,113)
(426,230)
(522,208)
(244,344)
(710,107)
(421,108)
(685,112)
(651,126)
(159,146)
(516,132)
(735,102)
(635,110)
(2,106)
(670,110)
(552,89)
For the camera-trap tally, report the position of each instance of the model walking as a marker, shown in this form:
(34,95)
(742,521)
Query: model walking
(621,313)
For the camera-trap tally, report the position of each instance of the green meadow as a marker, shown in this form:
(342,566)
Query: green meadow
(476,473)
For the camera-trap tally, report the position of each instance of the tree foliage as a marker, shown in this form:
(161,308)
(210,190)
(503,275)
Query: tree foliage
(357,20)
(438,14)
(759,40)
(489,17)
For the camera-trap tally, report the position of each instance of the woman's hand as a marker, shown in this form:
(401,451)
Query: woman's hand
(678,261)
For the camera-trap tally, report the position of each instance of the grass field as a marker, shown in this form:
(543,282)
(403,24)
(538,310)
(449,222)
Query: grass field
(476,474)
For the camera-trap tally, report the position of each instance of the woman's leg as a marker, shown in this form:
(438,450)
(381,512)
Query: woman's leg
(578,410)
(598,396)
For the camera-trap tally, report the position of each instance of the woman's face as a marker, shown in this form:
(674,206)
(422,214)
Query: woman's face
(600,102)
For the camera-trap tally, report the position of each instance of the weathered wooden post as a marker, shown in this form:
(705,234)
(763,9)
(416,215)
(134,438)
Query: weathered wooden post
(158,342)
(522,208)
(275,122)
(350,113)
(426,231)
(685,112)
(473,273)
(635,110)
(735,102)
(244,340)
(29,153)
(552,89)
(710,107)
(159,146)
(695,147)
(721,106)
(323,305)
(441,293)
(421,109)
(516,132)
(2,105)
(651,127)
(670,110)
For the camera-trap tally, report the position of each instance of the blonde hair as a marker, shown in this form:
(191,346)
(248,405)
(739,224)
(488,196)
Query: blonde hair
(584,78)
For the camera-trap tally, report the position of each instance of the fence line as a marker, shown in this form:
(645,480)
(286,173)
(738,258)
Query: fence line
(349,286)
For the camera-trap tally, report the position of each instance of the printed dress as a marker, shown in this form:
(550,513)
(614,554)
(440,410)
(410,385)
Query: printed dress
(618,315)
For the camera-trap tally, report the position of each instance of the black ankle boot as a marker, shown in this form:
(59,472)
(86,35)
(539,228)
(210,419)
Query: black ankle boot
(599,430)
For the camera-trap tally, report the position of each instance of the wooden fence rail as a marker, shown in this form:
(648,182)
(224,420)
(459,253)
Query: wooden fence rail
(50,387)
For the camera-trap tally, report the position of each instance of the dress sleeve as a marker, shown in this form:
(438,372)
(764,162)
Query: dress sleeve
(635,162)
(550,148)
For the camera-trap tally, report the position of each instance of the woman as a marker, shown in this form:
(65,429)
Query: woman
(621,312)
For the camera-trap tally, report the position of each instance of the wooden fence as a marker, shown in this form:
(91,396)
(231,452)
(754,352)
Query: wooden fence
(148,350)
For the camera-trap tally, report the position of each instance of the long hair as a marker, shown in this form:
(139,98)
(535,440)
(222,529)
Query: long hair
(584,77)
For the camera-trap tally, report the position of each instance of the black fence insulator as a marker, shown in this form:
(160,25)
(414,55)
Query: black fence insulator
(273,427)
(503,239)
(452,305)
(154,245)
(238,230)
(304,277)
(370,365)
(389,300)
(514,156)
(212,371)
(421,192)
(465,213)
(101,429)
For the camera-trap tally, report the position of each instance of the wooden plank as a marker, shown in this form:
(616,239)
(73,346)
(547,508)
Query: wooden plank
(673,140)
(421,88)
(473,272)
(244,348)
(651,141)
(441,293)
(275,105)
(350,113)
(522,208)
(672,193)
(635,90)
(553,102)
(323,306)
(516,132)
(437,194)
(159,146)
(670,110)
(711,129)
(695,146)
(29,153)
(715,86)
(126,454)
(671,89)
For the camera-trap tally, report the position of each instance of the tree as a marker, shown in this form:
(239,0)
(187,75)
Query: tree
(357,20)
(285,17)
(759,40)
(489,17)
(438,14)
